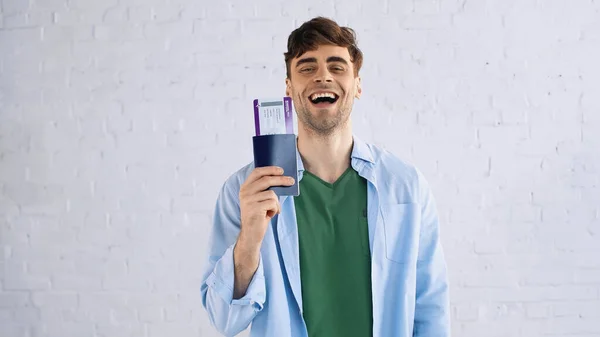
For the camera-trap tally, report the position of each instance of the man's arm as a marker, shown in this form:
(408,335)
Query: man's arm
(432,312)
(246,258)
(230,310)
(233,285)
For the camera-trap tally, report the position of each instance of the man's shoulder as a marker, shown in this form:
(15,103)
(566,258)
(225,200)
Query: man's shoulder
(398,178)
(390,163)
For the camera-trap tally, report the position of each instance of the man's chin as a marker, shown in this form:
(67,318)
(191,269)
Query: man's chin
(320,111)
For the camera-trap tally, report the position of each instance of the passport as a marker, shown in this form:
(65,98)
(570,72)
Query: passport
(278,150)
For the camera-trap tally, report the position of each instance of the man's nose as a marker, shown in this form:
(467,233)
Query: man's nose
(323,75)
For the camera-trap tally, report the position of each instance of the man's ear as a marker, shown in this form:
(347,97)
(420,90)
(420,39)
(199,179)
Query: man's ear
(358,88)
(288,87)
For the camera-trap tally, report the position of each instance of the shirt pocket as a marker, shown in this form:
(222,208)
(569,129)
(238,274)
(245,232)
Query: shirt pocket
(401,223)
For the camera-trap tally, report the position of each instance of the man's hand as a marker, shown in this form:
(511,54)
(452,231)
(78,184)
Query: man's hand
(257,207)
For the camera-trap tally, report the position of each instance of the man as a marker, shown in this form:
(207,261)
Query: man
(358,252)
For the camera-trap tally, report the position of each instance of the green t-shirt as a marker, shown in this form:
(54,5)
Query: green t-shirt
(335,263)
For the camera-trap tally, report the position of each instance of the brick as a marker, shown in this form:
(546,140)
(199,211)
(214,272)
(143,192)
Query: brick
(97,305)
(99,236)
(14,299)
(141,13)
(115,14)
(587,276)
(497,311)
(160,329)
(582,309)
(167,12)
(24,252)
(146,299)
(39,18)
(11,7)
(502,138)
(27,316)
(230,27)
(251,9)
(97,7)
(13,329)
(546,277)
(37,198)
(54,299)
(61,35)
(118,32)
(125,282)
(16,278)
(16,20)
(169,29)
(75,282)
(491,280)
(489,328)
(193,10)
(58,328)
(526,213)
(426,21)
(479,166)
(8,206)
(467,312)
(6,315)
(579,241)
(67,17)
(538,310)
(489,245)
(123,315)
(573,325)
(428,6)
(120,330)
(151,314)
(177,314)
(528,243)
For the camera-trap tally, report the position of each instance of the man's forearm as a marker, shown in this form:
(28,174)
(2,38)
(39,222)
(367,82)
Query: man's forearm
(246,259)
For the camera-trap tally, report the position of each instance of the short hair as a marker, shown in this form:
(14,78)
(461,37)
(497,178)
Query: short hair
(322,31)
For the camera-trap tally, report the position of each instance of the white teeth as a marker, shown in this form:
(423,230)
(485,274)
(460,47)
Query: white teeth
(323,94)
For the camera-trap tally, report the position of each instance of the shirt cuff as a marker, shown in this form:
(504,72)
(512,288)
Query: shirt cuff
(223,277)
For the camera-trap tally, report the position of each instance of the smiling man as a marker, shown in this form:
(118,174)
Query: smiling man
(358,252)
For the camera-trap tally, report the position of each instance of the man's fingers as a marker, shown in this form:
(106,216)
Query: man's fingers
(265,182)
(270,181)
(262,196)
(259,172)
(269,206)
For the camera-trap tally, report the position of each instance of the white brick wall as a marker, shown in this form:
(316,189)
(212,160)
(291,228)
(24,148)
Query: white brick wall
(119,121)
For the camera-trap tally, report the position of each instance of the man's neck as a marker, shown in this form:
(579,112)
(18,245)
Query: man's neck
(327,157)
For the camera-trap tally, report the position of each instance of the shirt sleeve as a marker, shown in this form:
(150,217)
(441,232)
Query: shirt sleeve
(432,304)
(229,316)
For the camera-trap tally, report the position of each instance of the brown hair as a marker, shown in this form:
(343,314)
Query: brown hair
(322,31)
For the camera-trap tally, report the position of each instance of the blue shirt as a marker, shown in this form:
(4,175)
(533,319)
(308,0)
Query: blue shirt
(408,273)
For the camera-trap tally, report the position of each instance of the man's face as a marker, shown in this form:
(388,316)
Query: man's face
(322,86)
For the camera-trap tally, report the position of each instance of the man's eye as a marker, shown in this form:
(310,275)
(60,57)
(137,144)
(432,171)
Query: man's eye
(303,70)
(338,68)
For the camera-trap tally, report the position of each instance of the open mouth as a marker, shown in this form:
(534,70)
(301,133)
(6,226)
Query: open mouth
(323,98)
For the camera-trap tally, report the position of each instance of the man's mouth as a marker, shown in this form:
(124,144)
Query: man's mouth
(323,98)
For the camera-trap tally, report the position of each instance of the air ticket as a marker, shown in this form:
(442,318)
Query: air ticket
(273,116)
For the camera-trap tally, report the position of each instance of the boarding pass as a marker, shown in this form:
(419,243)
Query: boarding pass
(273,116)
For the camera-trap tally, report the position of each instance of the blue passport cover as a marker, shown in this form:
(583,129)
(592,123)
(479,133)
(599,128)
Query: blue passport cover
(278,150)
